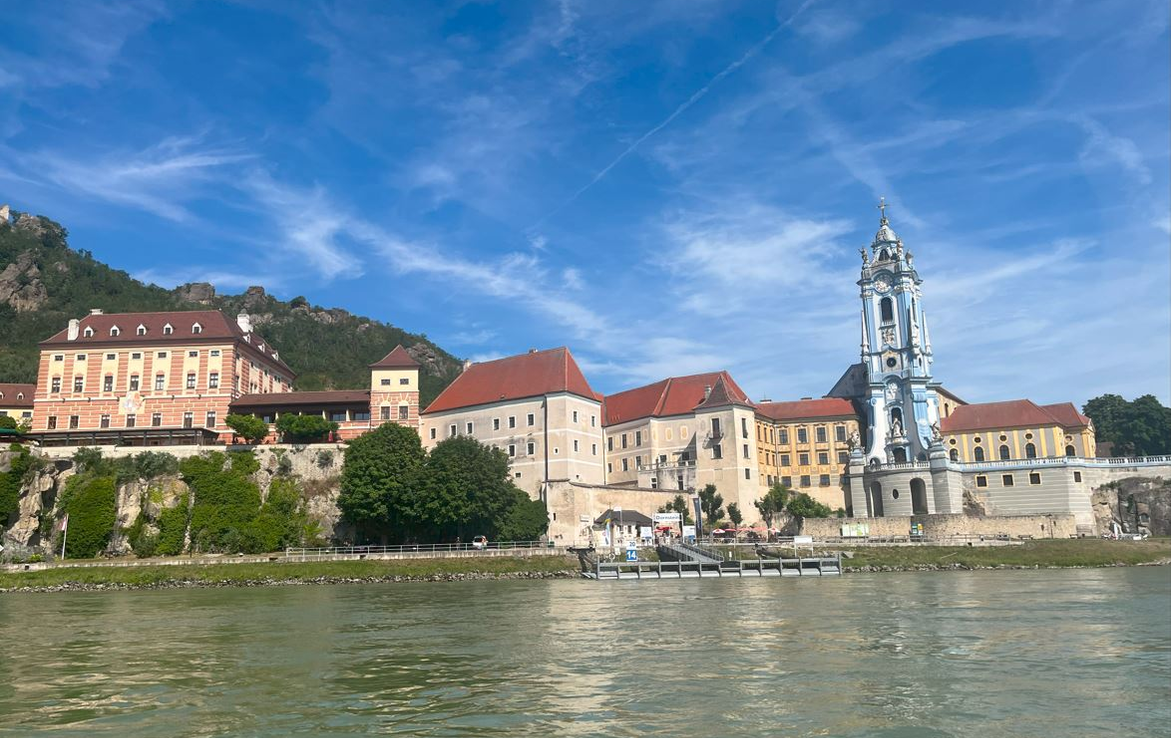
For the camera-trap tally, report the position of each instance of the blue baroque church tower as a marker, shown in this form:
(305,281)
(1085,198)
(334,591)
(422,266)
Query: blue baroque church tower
(901,404)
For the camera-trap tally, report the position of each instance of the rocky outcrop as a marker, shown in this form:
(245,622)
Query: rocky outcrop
(202,293)
(141,497)
(1135,504)
(432,362)
(21,286)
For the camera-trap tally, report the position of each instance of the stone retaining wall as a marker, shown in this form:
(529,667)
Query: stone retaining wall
(946,526)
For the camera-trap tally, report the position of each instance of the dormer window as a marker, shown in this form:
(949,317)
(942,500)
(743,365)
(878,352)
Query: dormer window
(197,328)
(88,332)
(141,330)
(115,330)
(168,330)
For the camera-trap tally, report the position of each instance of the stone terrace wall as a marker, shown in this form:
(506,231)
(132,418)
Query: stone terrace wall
(944,526)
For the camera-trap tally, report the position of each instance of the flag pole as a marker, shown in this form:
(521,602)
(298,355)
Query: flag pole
(64,534)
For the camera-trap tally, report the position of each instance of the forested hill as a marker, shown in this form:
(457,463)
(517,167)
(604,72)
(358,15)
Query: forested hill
(44,283)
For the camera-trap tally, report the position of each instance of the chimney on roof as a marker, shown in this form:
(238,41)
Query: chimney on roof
(74,329)
(707,391)
(95,311)
(467,364)
(532,351)
(244,322)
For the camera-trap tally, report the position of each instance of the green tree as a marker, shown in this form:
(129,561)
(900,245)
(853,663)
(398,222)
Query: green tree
(226,501)
(282,521)
(527,520)
(1141,427)
(380,476)
(92,509)
(735,515)
(773,503)
(304,428)
(7,422)
(249,427)
(1109,413)
(678,505)
(711,503)
(467,490)
(803,506)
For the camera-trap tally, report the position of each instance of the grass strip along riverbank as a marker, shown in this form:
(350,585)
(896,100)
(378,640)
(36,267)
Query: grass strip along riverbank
(1084,552)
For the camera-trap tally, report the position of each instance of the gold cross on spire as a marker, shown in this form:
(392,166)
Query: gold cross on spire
(882,207)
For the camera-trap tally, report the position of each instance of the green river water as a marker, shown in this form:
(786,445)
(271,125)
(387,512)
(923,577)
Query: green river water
(1007,653)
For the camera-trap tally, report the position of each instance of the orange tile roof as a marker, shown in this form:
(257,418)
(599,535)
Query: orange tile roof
(720,396)
(517,377)
(212,323)
(996,415)
(16,395)
(1067,414)
(671,396)
(824,407)
(398,358)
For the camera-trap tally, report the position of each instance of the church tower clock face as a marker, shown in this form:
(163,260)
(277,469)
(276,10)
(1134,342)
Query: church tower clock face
(882,283)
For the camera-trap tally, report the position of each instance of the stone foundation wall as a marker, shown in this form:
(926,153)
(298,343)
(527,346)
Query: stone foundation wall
(946,526)
(574,507)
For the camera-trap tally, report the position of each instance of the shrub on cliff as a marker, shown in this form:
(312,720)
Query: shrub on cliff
(91,503)
(172,528)
(379,480)
(282,521)
(226,500)
(11,482)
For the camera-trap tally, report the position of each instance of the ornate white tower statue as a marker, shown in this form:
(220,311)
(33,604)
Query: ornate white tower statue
(901,401)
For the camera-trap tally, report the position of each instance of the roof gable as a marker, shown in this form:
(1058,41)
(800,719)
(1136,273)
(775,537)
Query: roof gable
(517,377)
(670,396)
(1067,414)
(720,396)
(398,358)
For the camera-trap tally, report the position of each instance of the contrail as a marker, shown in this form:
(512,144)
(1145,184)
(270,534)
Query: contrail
(696,97)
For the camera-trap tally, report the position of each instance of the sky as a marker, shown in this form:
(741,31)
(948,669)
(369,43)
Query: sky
(665,187)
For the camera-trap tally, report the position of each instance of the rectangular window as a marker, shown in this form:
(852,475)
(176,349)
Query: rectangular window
(386,383)
(160,382)
(136,356)
(744,427)
(58,357)
(55,385)
(52,422)
(469,428)
(111,357)
(530,448)
(626,465)
(193,354)
(78,384)
(1034,477)
(593,421)
(495,424)
(802,435)
(452,430)
(404,381)
(784,460)
(803,459)
(717,452)
(213,380)
(215,352)
(1077,476)
(575,445)
(981,480)
(623,440)
(1007,480)
(784,436)
(337,416)
(361,415)
(594,451)
(746,450)
(748,474)
(156,419)
(843,457)
(188,419)
(209,421)
(609,468)
(162,354)
(805,480)
(823,457)
(104,422)
(821,435)
(108,383)
(512,449)
(74,421)
(532,419)
(432,434)
(638,438)
(81,357)
(404,412)
(190,380)
(840,432)
(384,414)
(716,427)
(823,480)
(133,382)
(511,421)
(575,416)
(787,481)
(131,420)
(610,443)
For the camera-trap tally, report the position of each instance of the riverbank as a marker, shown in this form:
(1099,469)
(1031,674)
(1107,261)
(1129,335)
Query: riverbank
(1040,554)
(289,573)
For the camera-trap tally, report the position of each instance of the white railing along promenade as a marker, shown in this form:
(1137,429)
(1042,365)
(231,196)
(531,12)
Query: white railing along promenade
(412,548)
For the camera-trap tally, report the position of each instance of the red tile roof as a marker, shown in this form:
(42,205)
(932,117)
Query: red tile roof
(398,358)
(322,398)
(720,396)
(1008,414)
(1067,414)
(517,377)
(824,407)
(17,395)
(671,396)
(212,323)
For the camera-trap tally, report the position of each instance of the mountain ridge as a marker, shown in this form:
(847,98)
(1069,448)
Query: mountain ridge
(44,282)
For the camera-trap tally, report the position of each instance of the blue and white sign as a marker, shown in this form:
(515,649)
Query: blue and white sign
(631,551)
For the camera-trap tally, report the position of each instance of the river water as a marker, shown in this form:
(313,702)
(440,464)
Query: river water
(1008,653)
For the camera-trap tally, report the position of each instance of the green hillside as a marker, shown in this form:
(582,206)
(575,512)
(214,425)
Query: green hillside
(44,283)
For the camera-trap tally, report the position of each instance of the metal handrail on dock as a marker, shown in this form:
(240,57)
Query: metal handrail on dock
(694,568)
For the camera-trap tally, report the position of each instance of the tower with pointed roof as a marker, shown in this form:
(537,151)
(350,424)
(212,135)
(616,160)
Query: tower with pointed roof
(394,389)
(901,402)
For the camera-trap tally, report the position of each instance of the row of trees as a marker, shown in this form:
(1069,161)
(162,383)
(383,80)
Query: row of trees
(776,503)
(292,428)
(394,491)
(1140,427)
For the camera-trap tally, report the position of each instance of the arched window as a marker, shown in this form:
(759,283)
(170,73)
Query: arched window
(896,414)
(88,331)
(886,310)
(978,453)
(168,330)
(197,328)
(954,454)
(1070,451)
(883,255)
(1004,454)
(1030,451)
(115,330)
(141,330)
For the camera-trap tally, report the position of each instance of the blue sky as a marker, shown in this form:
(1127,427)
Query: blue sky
(665,187)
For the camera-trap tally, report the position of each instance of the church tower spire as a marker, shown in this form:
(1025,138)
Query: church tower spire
(901,402)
